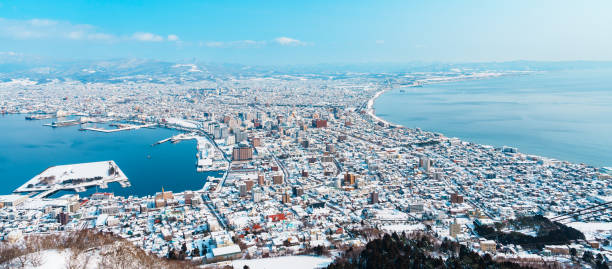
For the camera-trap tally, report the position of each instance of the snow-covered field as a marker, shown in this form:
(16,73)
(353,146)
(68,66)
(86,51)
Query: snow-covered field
(590,228)
(60,259)
(287,262)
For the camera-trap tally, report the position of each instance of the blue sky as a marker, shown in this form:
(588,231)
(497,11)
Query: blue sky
(307,32)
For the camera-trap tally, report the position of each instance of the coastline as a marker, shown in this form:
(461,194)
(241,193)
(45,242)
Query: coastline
(370,108)
(434,80)
(484,75)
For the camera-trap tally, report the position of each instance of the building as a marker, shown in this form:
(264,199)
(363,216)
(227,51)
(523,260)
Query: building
(278,179)
(416,208)
(456,198)
(286,198)
(249,185)
(298,191)
(349,179)
(488,246)
(243,189)
(319,123)
(242,153)
(240,136)
(188,197)
(424,163)
(454,229)
(12,200)
(74,207)
(63,218)
(162,198)
(256,142)
(102,196)
(374,198)
(257,195)
(226,253)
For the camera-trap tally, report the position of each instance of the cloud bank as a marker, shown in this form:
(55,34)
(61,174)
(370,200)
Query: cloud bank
(63,30)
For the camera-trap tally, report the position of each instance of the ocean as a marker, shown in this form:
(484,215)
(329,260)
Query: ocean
(565,115)
(27,148)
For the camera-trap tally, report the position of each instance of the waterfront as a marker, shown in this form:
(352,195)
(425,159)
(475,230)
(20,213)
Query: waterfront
(557,114)
(27,148)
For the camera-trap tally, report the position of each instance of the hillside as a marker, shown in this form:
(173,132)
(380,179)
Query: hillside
(83,249)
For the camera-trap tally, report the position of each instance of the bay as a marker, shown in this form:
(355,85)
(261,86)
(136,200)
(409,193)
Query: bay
(565,115)
(27,148)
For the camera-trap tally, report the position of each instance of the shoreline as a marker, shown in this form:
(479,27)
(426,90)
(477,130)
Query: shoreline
(371,111)
(484,75)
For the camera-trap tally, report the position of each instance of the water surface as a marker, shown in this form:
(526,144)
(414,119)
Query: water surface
(27,148)
(565,115)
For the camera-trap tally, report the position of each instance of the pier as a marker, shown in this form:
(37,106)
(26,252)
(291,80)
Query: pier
(209,156)
(76,177)
(121,127)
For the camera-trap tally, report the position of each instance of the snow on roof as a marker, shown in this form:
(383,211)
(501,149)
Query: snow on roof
(73,171)
(232,249)
(182,122)
(12,197)
(403,227)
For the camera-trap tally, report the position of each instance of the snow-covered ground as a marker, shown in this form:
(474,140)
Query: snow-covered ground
(56,175)
(60,259)
(287,262)
(398,228)
(591,228)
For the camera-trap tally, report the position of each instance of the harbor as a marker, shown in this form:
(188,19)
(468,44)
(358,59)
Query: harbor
(36,147)
(209,156)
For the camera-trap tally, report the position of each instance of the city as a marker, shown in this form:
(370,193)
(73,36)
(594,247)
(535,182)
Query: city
(301,172)
(305,134)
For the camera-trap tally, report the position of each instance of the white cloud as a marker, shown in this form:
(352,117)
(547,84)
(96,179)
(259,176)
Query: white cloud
(283,41)
(147,37)
(9,53)
(63,30)
(49,29)
(233,44)
(287,41)
(212,44)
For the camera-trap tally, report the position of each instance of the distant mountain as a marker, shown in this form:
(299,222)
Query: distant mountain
(14,66)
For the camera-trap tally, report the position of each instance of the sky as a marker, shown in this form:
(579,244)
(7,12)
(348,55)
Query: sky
(309,32)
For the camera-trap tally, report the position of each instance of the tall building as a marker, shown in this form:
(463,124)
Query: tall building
(454,229)
(286,198)
(349,179)
(456,198)
(249,184)
(319,123)
(188,197)
(242,153)
(256,142)
(243,189)
(374,198)
(298,191)
(63,218)
(261,180)
(240,136)
(257,195)
(424,163)
(278,179)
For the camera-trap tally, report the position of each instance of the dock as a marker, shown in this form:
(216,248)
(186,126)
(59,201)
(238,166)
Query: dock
(76,177)
(121,127)
(56,124)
